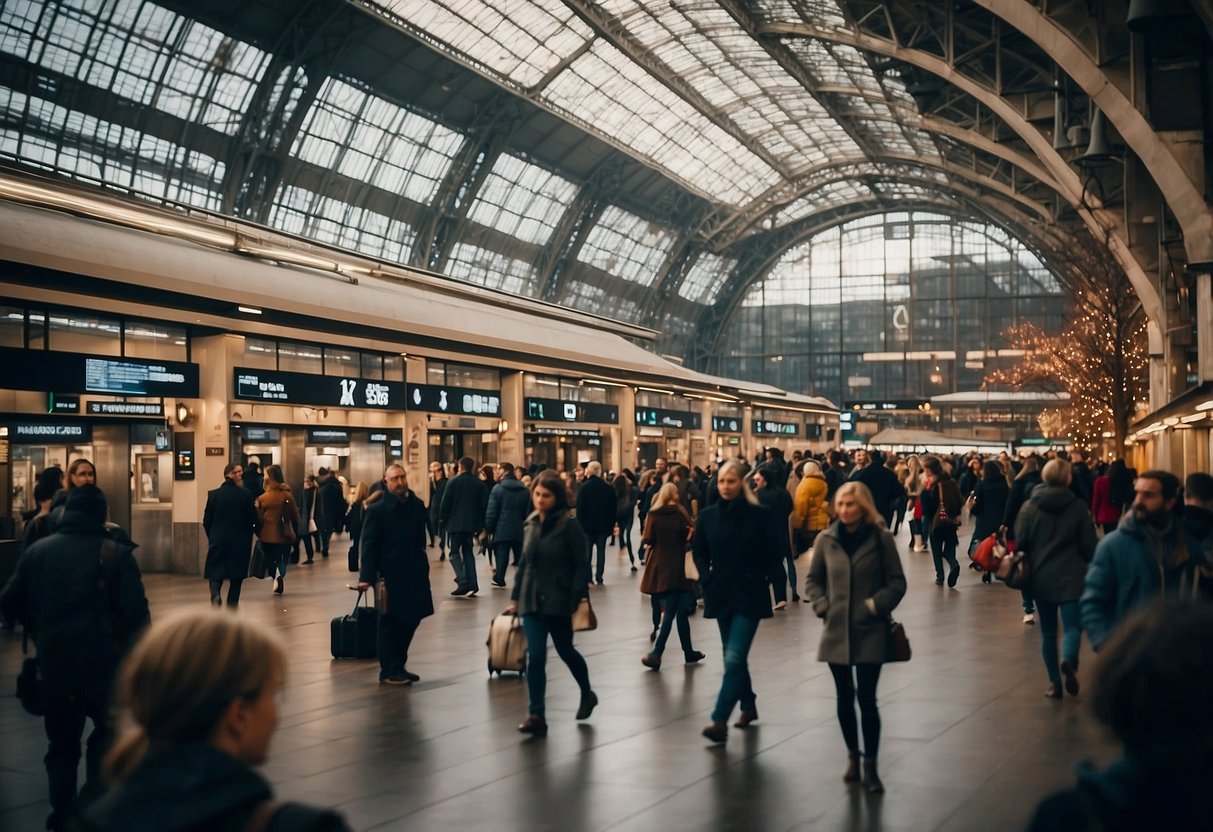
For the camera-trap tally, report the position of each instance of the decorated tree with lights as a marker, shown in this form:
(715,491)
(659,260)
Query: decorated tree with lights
(1100,356)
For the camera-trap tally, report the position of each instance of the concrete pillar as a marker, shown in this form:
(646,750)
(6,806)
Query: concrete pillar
(509,442)
(416,435)
(1204,324)
(629,455)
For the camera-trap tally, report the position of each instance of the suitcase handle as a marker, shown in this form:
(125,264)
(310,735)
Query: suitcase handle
(358,601)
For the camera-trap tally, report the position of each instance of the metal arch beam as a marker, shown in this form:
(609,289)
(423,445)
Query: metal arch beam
(710,326)
(1099,220)
(761,255)
(805,183)
(1181,194)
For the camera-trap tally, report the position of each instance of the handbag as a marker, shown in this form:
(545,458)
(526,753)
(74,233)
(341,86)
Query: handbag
(1013,570)
(689,567)
(286,529)
(30,690)
(259,563)
(941,514)
(897,643)
(583,616)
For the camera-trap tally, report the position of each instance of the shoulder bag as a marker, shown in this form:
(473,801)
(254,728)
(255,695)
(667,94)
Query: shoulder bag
(897,643)
(30,691)
(286,528)
(584,617)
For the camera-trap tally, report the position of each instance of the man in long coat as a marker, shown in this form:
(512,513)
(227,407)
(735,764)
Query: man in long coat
(230,519)
(393,548)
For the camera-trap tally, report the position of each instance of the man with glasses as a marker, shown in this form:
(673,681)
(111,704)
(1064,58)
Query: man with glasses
(230,519)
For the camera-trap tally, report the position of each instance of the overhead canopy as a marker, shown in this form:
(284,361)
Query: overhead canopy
(929,440)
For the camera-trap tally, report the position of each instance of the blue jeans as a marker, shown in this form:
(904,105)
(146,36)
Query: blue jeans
(463,559)
(624,519)
(501,552)
(537,629)
(677,602)
(1028,606)
(736,634)
(597,541)
(1071,622)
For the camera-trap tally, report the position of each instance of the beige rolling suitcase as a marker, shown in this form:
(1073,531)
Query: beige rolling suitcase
(507,645)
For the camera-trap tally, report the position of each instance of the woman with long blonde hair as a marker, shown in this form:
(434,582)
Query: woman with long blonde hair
(198,702)
(667,530)
(735,551)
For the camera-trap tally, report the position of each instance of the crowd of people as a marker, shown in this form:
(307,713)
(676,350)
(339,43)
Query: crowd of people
(1120,555)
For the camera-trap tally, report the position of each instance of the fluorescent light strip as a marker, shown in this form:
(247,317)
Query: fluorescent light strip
(248,310)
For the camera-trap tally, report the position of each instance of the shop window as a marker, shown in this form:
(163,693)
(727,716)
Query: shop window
(542,387)
(91,334)
(372,365)
(260,354)
(341,362)
(393,368)
(37,331)
(462,375)
(12,327)
(155,340)
(299,358)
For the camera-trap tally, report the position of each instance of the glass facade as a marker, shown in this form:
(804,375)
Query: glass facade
(891,307)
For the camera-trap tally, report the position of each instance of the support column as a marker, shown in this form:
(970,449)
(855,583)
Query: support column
(416,436)
(1204,324)
(509,441)
(628,452)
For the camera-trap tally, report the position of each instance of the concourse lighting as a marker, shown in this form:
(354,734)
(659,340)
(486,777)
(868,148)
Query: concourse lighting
(655,390)
(1195,417)
(248,310)
(1205,405)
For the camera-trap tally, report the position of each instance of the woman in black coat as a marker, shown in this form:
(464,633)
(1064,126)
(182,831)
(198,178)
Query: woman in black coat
(735,552)
(553,576)
(1021,488)
(438,483)
(989,503)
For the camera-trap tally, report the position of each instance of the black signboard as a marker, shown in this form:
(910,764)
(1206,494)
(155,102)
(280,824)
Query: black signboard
(261,435)
(656,417)
(183,463)
(462,401)
(812,431)
(766,426)
(327,436)
(377,437)
(80,373)
(546,431)
(726,424)
(325,391)
(557,410)
(50,433)
(126,408)
(892,404)
(60,403)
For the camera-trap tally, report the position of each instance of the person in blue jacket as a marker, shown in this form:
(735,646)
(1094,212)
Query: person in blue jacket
(1147,557)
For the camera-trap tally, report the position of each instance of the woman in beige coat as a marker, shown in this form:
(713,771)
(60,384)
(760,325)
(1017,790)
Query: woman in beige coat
(855,581)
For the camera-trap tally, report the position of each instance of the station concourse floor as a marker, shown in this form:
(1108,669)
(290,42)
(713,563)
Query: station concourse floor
(969,741)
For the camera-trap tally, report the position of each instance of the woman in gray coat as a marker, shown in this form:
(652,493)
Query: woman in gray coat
(552,578)
(1056,532)
(855,581)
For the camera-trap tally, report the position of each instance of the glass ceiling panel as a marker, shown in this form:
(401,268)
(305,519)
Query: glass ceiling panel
(491,269)
(706,278)
(627,246)
(142,52)
(605,90)
(302,212)
(375,141)
(522,200)
(522,40)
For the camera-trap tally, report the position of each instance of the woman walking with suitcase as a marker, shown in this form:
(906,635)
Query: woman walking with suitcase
(552,578)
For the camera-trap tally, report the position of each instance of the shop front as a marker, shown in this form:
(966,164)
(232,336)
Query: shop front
(777,429)
(460,421)
(109,410)
(726,435)
(563,434)
(666,433)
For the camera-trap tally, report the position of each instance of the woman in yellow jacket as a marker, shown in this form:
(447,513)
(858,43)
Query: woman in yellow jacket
(809,515)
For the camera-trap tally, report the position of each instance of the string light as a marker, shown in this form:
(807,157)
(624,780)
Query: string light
(1100,356)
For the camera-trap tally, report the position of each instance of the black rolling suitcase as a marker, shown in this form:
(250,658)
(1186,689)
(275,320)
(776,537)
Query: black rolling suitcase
(355,636)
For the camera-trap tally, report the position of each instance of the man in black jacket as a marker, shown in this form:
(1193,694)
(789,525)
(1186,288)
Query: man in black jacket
(464,502)
(881,482)
(79,594)
(332,502)
(393,548)
(254,482)
(229,520)
(596,505)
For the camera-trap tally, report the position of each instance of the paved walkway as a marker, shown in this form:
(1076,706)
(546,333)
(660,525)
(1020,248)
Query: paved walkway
(969,741)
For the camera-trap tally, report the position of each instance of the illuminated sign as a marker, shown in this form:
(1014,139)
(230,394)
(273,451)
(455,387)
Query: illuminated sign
(326,391)
(655,417)
(764,426)
(327,436)
(556,410)
(53,371)
(726,424)
(893,404)
(27,433)
(254,433)
(462,401)
(59,403)
(126,408)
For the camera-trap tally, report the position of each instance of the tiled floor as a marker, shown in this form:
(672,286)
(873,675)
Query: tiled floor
(969,741)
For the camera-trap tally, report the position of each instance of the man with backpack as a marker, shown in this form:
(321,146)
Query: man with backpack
(79,594)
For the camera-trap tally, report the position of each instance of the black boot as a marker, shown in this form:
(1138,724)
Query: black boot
(852,775)
(871,780)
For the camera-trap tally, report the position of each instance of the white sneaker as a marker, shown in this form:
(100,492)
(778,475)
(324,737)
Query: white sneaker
(779,605)
(1029,618)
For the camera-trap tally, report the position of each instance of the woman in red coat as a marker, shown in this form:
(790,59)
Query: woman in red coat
(667,529)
